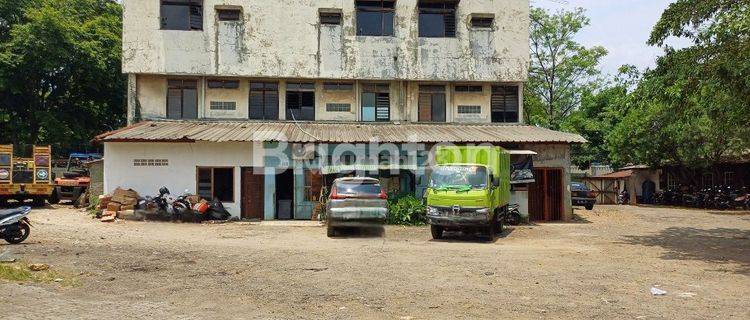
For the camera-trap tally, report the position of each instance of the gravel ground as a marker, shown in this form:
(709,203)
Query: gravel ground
(601,266)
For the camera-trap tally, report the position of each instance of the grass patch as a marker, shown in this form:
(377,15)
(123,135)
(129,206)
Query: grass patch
(19,272)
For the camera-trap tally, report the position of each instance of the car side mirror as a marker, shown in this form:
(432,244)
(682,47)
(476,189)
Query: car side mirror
(496,183)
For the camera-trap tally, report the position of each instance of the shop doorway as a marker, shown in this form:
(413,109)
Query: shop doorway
(546,195)
(285,195)
(253,193)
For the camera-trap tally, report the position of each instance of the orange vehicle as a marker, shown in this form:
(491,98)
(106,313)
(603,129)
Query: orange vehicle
(75,180)
(24,179)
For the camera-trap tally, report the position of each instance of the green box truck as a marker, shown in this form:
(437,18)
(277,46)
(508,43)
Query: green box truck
(469,189)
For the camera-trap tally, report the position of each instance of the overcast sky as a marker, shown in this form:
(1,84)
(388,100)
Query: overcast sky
(621,26)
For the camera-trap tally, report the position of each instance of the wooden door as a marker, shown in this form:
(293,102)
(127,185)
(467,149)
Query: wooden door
(253,193)
(546,195)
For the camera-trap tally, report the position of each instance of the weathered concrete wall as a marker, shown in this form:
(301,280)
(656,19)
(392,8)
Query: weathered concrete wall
(481,99)
(180,174)
(239,96)
(283,39)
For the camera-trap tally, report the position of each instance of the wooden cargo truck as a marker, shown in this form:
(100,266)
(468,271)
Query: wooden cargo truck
(23,179)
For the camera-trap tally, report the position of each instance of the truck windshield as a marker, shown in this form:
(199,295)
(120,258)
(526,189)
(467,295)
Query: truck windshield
(474,177)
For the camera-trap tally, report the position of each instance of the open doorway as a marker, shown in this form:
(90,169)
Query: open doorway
(285,195)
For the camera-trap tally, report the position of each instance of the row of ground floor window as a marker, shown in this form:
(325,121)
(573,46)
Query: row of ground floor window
(255,183)
(160,97)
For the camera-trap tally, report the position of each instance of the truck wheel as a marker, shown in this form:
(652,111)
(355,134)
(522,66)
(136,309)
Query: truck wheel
(492,230)
(331,232)
(590,206)
(437,232)
(54,198)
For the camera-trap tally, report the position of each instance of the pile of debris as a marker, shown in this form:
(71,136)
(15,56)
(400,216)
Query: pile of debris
(120,204)
(128,205)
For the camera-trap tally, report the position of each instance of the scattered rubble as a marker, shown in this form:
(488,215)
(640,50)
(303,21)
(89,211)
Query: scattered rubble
(38,267)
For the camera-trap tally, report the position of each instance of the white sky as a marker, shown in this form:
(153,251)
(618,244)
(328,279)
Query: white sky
(621,26)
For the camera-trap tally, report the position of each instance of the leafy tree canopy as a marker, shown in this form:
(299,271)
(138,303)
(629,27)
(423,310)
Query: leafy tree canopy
(60,78)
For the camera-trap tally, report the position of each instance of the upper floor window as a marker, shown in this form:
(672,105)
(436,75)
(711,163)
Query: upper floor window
(300,101)
(481,21)
(432,103)
(330,17)
(375,17)
(223,84)
(231,15)
(376,102)
(504,104)
(264,101)
(182,14)
(182,99)
(437,18)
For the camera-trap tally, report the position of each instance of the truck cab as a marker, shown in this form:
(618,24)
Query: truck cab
(469,189)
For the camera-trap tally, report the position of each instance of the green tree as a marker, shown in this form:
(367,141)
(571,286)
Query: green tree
(599,113)
(692,110)
(562,70)
(60,78)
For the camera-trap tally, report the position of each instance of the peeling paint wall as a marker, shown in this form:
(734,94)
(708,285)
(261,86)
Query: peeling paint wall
(283,39)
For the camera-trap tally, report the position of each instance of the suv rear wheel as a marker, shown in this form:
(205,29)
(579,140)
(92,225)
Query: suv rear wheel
(331,232)
(437,232)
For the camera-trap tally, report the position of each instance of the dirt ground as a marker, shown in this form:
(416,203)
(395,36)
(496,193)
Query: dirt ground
(601,266)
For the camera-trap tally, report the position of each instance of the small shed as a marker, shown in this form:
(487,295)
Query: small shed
(641,181)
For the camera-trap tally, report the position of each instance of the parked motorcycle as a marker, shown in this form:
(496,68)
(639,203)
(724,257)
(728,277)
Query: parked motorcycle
(514,215)
(623,197)
(15,227)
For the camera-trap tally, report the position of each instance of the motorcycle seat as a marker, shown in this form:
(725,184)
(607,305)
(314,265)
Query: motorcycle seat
(11,212)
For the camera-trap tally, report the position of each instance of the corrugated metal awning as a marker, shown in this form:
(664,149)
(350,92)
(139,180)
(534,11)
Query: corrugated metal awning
(333,132)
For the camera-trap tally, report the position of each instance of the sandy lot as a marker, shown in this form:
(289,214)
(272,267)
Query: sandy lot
(602,266)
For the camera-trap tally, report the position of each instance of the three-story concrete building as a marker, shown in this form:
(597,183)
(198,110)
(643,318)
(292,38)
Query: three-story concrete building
(261,103)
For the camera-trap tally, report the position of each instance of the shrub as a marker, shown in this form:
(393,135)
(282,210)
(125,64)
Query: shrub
(406,210)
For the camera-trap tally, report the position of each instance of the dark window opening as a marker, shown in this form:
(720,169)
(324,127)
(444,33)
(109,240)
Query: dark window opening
(504,104)
(229,14)
(482,22)
(182,99)
(300,102)
(432,103)
(437,19)
(338,86)
(223,84)
(469,89)
(376,103)
(182,14)
(216,183)
(375,18)
(264,101)
(330,18)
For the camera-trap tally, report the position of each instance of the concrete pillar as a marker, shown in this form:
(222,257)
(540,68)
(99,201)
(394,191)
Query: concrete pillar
(132,98)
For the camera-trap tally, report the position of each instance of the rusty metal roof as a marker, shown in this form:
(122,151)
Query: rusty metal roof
(333,132)
(617,175)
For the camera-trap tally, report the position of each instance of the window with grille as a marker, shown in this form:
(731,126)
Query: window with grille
(376,102)
(330,18)
(437,19)
(469,88)
(432,103)
(300,101)
(469,109)
(338,86)
(223,105)
(504,104)
(338,107)
(182,99)
(375,17)
(264,101)
(223,84)
(181,14)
